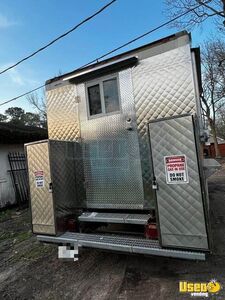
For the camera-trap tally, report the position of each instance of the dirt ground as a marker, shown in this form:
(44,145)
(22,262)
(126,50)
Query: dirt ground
(30,270)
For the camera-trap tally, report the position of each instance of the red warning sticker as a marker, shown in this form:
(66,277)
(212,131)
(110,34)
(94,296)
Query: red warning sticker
(176,169)
(39,179)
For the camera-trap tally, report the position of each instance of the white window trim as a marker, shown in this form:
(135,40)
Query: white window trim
(99,82)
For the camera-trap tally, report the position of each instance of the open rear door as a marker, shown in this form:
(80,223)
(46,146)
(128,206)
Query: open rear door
(42,207)
(181,207)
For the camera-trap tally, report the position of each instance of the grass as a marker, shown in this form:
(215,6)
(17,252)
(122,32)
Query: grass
(22,236)
(34,252)
(5,215)
(6,236)
(18,236)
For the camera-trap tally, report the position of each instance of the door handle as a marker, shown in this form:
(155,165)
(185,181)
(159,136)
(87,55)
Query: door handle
(154,184)
(50,187)
(129,124)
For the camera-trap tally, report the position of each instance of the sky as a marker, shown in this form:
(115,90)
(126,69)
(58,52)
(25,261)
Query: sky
(26,25)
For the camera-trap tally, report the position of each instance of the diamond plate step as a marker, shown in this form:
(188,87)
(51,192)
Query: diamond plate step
(121,243)
(114,218)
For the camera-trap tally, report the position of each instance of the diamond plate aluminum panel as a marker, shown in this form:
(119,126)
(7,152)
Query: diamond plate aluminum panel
(122,244)
(111,153)
(64,159)
(41,200)
(114,218)
(163,87)
(180,206)
(62,110)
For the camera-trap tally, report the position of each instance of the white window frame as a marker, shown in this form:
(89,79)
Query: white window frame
(99,82)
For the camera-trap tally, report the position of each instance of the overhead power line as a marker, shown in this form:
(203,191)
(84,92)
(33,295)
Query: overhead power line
(22,95)
(110,52)
(141,36)
(59,37)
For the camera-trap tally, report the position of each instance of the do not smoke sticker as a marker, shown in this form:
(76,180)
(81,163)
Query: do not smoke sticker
(176,169)
(39,179)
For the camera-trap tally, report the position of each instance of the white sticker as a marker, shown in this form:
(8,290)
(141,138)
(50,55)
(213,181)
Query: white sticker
(176,169)
(39,179)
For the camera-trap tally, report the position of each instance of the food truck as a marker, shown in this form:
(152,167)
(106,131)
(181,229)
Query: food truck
(122,169)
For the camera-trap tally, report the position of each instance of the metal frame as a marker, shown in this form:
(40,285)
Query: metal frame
(118,218)
(197,87)
(122,244)
(203,187)
(154,191)
(19,176)
(53,200)
(99,68)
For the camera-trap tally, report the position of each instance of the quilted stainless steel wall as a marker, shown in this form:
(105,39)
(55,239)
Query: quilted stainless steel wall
(180,206)
(63,123)
(42,208)
(163,87)
(61,165)
(62,111)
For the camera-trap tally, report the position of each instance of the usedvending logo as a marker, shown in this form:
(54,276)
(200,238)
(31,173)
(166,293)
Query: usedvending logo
(39,179)
(200,289)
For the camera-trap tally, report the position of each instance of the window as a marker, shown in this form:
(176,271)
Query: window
(111,96)
(94,100)
(103,97)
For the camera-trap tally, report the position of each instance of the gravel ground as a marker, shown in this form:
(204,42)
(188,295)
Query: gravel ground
(30,270)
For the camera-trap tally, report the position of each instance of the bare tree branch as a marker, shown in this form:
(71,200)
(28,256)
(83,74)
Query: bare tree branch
(208,9)
(216,12)
(38,102)
(213,98)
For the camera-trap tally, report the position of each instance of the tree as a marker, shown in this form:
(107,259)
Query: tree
(220,124)
(205,9)
(15,114)
(38,102)
(3,118)
(213,97)
(31,119)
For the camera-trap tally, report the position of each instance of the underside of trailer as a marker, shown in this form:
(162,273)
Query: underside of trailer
(122,169)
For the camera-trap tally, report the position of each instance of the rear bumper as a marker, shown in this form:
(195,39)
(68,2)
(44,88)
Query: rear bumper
(122,244)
